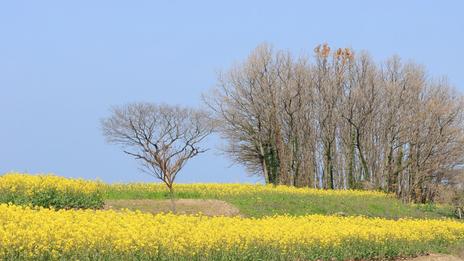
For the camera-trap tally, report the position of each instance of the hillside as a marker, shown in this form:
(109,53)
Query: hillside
(262,200)
(47,217)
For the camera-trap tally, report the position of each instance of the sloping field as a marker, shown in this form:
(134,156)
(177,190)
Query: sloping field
(264,200)
(55,218)
(41,234)
(207,207)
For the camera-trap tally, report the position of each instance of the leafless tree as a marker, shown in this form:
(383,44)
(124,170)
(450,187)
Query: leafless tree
(162,137)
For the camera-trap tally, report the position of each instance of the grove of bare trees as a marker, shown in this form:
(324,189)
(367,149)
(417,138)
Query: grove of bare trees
(339,120)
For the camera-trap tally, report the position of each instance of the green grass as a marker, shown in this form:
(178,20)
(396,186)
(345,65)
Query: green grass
(328,205)
(53,198)
(267,204)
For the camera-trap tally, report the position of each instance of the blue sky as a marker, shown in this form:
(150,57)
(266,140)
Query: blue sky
(64,63)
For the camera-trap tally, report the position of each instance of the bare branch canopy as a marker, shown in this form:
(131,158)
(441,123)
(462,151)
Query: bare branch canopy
(161,137)
(338,120)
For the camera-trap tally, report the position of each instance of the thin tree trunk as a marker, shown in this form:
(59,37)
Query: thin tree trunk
(173,199)
(361,156)
(351,178)
(263,163)
(329,167)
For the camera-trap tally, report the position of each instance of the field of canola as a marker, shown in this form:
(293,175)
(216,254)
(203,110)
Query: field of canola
(38,233)
(50,191)
(219,190)
(27,233)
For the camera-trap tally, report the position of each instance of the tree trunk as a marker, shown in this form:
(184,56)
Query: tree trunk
(273,165)
(173,199)
(263,163)
(351,177)
(329,167)
(459,212)
(361,156)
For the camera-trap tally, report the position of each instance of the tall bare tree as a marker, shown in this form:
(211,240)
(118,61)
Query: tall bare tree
(161,137)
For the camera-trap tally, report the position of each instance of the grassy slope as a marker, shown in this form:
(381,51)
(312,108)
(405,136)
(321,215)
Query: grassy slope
(265,204)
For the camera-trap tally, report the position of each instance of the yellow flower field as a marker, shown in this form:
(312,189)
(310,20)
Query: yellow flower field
(30,184)
(253,200)
(27,233)
(50,191)
(203,189)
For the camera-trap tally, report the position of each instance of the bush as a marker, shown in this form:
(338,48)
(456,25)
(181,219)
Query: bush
(50,191)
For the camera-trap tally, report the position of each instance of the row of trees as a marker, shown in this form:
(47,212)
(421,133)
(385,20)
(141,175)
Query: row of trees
(340,121)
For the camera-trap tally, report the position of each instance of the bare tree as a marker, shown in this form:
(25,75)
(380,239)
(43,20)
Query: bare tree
(260,105)
(162,137)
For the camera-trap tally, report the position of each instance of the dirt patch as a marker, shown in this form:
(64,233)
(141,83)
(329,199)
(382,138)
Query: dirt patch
(435,257)
(209,207)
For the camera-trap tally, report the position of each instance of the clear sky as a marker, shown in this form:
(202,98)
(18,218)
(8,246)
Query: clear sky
(64,63)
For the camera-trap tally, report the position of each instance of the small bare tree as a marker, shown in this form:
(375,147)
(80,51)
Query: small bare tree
(162,137)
